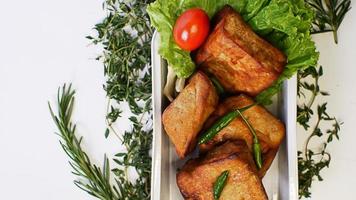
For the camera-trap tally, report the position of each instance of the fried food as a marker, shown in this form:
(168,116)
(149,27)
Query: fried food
(197,177)
(185,116)
(241,60)
(270,131)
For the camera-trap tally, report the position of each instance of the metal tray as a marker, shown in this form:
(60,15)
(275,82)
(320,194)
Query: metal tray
(281,181)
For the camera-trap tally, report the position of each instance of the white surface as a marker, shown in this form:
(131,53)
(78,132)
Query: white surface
(43,46)
(339,62)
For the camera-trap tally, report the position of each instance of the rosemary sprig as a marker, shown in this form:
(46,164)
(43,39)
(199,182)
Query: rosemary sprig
(125,35)
(329,15)
(312,162)
(90,177)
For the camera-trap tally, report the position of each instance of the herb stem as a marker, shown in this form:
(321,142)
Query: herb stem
(322,157)
(321,31)
(108,123)
(335,35)
(309,138)
(315,93)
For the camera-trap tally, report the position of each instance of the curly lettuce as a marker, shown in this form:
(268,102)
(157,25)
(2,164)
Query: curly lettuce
(284,23)
(163,14)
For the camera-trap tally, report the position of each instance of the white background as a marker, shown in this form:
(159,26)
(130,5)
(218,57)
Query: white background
(42,45)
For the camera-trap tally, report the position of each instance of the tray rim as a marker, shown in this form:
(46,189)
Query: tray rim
(289,95)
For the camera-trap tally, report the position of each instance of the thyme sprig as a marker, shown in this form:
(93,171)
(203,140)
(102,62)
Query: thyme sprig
(312,162)
(329,15)
(125,35)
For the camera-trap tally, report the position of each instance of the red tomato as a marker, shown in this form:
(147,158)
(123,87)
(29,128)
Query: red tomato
(191,29)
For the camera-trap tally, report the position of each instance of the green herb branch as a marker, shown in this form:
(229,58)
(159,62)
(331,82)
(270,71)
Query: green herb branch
(329,15)
(127,69)
(92,179)
(312,162)
(125,35)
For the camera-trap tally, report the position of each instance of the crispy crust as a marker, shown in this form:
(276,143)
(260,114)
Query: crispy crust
(185,116)
(195,180)
(269,129)
(238,57)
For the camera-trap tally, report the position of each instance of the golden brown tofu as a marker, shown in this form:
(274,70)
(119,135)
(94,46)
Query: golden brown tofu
(185,116)
(197,177)
(270,131)
(240,59)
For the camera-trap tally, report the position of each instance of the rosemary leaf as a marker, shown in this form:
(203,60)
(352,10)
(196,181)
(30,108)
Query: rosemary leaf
(329,15)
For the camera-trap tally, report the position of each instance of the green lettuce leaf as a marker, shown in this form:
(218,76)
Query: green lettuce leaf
(284,23)
(163,15)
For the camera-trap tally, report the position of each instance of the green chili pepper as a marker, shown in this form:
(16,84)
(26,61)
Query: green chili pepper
(219,184)
(257,154)
(256,143)
(217,85)
(222,123)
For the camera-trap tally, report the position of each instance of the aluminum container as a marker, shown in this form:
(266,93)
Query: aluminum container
(281,181)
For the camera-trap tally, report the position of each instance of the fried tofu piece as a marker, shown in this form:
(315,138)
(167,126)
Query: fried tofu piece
(197,177)
(270,131)
(241,60)
(183,119)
